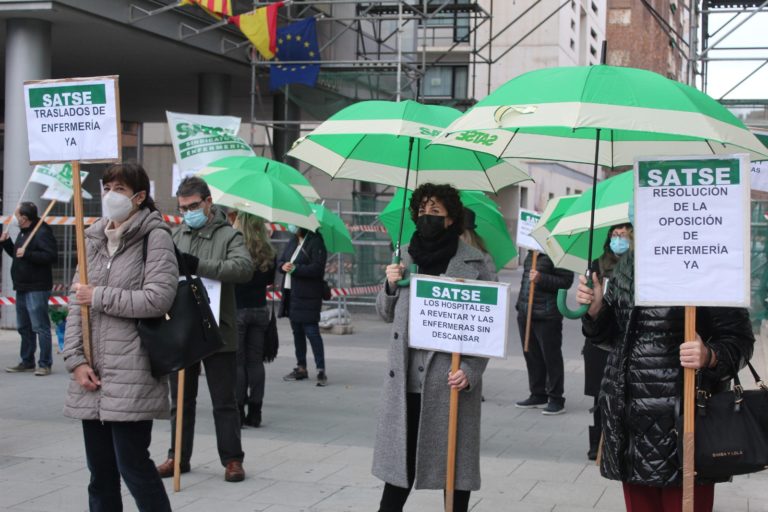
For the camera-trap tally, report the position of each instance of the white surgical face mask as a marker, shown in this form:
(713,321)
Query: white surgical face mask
(116,207)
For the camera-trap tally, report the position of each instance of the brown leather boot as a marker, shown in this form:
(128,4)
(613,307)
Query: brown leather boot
(165,470)
(234,471)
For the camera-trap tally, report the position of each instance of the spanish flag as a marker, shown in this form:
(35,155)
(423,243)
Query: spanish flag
(216,8)
(260,27)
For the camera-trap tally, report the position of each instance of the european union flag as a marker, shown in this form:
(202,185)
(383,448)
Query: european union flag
(296,42)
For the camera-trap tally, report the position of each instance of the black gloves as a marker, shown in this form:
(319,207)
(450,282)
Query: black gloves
(188,262)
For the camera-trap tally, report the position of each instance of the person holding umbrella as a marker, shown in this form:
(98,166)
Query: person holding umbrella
(410,447)
(303,264)
(616,244)
(544,358)
(643,382)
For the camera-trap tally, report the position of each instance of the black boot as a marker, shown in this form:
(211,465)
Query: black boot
(242,415)
(594,442)
(254,414)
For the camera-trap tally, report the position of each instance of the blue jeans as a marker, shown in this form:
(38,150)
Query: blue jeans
(302,331)
(32,319)
(114,449)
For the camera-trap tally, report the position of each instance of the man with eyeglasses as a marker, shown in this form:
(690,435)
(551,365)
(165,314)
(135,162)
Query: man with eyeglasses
(210,248)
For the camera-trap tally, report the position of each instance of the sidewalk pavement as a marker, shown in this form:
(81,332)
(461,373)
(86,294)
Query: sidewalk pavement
(313,452)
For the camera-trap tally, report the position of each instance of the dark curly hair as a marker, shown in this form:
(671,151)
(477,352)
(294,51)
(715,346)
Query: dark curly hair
(447,195)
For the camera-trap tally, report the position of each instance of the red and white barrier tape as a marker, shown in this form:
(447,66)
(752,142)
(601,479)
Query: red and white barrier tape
(54,300)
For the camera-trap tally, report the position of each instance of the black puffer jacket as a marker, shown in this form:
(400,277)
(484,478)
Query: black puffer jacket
(33,272)
(545,294)
(643,377)
(305,298)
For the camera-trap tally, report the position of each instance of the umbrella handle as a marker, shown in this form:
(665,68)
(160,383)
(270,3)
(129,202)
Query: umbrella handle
(412,269)
(562,306)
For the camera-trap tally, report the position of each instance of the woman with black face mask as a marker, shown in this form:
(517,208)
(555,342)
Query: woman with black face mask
(411,438)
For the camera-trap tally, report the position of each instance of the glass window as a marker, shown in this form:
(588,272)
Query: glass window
(445,82)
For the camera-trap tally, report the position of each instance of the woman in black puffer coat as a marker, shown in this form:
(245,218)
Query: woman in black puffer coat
(643,383)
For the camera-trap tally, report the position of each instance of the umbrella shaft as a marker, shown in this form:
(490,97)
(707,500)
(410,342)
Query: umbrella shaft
(405,197)
(594,199)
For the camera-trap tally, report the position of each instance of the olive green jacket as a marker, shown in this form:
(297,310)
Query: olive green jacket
(223,257)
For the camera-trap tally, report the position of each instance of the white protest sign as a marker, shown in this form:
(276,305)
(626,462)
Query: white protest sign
(199,140)
(692,231)
(759,175)
(73,119)
(525,224)
(176,177)
(63,194)
(213,289)
(467,317)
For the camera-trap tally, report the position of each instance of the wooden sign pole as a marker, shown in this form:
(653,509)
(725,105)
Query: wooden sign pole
(82,258)
(39,223)
(453,419)
(179,424)
(531,291)
(689,398)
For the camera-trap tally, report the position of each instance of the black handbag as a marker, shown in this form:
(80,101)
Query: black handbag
(731,431)
(187,333)
(271,340)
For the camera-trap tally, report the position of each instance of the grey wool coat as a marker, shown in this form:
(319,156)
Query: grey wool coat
(125,289)
(389,456)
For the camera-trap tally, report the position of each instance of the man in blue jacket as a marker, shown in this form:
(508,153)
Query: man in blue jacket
(31,271)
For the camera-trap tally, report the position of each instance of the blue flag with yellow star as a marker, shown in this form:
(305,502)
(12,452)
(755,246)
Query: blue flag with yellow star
(296,43)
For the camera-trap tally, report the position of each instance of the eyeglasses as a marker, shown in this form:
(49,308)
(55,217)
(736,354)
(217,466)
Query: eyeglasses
(191,207)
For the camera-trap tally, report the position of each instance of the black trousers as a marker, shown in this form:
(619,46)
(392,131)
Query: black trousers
(115,449)
(221,375)
(393,498)
(544,358)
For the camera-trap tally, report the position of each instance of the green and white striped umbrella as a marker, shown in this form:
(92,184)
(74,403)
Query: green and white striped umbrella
(333,230)
(278,170)
(613,205)
(566,251)
(553,114)
(260,194)
(387,142)
(491,227)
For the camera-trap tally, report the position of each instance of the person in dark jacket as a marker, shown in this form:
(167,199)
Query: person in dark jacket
(210,248)
(253,318)
(33,281)
(616,243)
(544,358)
(303,264)
(643,381)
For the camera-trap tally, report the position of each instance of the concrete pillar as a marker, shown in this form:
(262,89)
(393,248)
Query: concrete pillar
(27,57)
(213,92)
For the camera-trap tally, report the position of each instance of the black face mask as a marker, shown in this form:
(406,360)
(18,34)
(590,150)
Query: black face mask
(430,226)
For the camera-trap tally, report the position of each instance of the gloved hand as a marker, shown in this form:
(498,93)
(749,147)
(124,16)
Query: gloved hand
(188,262)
